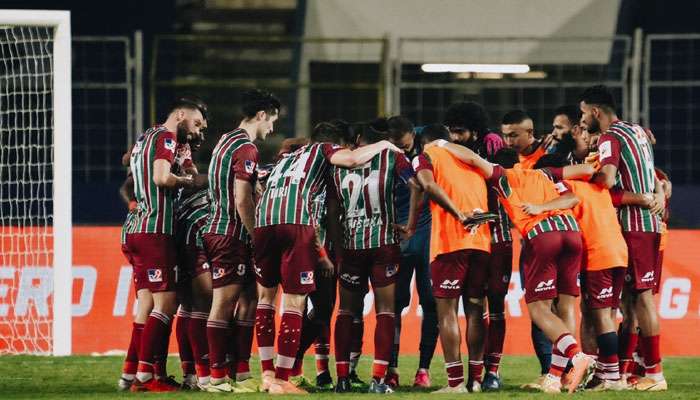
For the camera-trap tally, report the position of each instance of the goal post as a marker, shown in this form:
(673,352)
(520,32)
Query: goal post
(35,70)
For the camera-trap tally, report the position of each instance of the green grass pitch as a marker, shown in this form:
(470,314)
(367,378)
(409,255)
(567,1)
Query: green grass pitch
(95,378)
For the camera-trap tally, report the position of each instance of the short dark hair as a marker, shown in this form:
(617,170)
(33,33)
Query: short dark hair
(515,117)
(469,115)
(254,101)
(506,157)
(345,130)
(599,96)
(398,125)
(375,130)
(434,132)
(326,132)
(555,160)
(572,112)
(191,103)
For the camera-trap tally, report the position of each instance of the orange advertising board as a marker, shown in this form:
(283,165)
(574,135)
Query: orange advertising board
(103,298)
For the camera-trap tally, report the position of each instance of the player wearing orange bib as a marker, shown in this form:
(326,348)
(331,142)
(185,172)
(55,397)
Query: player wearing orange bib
(518,132)
(551,252)
(458,258)
(602,271)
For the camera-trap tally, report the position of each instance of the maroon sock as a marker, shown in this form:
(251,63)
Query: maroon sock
(322,348)
(197,331)
(652,355)
(496,337)
(287,343)
(156,328)
(455,373)
(627,343)
(476,370)
(383,344)
(298,367)
(358,332)
(218,336)
(183,342)
(244,342)
(265,335)
(343,338)
(131,362)
(232,349)
(160,366)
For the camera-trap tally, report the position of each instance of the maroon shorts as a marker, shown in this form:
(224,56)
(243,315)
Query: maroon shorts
(379,265)
(154,257)
(602,289)
(552,263)
(127,254)
(451,274)
(192,261)
(229,260)
(500,269)
(286,254)
(643,250)
(657,271)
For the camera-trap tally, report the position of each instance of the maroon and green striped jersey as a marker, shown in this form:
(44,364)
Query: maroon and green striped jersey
(319,212)
(367,196)
(128,223)
(293,184)
(500,228)
(191,215)
(625,145)
(234,157)
(154,209)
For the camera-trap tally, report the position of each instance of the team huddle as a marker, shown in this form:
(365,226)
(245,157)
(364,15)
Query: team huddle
(381,202)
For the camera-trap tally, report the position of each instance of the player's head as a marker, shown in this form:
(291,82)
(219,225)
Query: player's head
(345,131)
(291,145)
(506,157)
(434,132)
(326,132)
(260,109)
(554,160)
(518,130)
(190,116)
(374,131)
(597,104)
(566,119)
(467,121)
(401,133)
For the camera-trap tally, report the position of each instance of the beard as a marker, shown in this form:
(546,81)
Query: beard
(594,126)
(182,132)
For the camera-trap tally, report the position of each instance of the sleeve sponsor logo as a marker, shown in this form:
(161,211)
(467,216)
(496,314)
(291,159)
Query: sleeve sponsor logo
(415,163)
(169,144)
(605,150)
(249,166)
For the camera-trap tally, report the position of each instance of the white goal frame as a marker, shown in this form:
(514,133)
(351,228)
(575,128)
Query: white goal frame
(62,167)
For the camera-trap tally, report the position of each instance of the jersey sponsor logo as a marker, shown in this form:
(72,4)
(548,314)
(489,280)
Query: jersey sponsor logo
(605,293)
(391,270)
(350,279)
(169,144)
(450,285)
(205,266)
(240,270)
(258,271)
(155,275)
(249,166)
(648,277)
(415,163)
(218,273)
(306,278)
(604,150)
(545,285)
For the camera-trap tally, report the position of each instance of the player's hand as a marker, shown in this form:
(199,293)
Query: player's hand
(388,145)
(405,233)
(668,188)
(325,267)
(659,204)
(549,141)
(185,181)
(648,201)
(532,209)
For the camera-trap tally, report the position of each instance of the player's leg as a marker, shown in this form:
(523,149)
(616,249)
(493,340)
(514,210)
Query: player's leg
(448,272)
(131,362)
(429,324)
(500,269)
(319,319)
(267,247)
(245,324)
(197,329)
(403,299)
(219,330)
(474,298)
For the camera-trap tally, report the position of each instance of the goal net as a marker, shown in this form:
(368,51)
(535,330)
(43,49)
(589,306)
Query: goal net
(35,191)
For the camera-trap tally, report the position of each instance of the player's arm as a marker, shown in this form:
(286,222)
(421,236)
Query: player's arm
(609,155)
(414,209)
(126,192)
(578,172)
(163,178)
(436,194)
(659,197)
(466,156)
(563,202)
(346,158)
(245,205)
